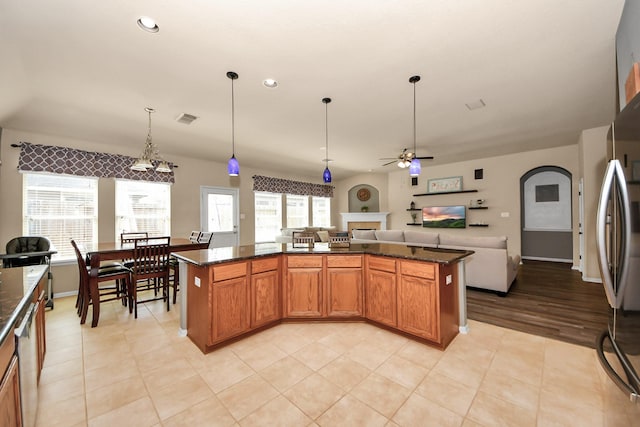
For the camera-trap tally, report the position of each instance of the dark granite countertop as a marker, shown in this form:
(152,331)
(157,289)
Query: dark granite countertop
(16,287)
(238,253)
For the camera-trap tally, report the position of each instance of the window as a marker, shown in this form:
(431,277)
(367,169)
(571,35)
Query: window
(62,208)
(297,211)
(321,211)
(268,212)
(143,206)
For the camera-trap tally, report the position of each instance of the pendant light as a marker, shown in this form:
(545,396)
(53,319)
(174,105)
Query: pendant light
(150,153)
(414,167)
(233,167)
(326,175)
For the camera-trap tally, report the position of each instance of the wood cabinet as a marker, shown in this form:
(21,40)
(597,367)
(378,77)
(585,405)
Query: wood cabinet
(381,303)
(426,301)
(304,286)
(10,412)
(345,292)
(230,301)
(218,301)
(265,291)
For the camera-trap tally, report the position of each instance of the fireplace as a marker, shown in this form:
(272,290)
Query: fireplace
(364,220)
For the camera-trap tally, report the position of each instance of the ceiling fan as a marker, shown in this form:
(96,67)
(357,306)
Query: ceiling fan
(404,159)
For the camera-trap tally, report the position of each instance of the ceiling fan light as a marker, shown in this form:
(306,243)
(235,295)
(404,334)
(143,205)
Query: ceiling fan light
(415,167)
(326,175)
(233,167)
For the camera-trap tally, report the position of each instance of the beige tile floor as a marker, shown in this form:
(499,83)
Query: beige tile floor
(130,372)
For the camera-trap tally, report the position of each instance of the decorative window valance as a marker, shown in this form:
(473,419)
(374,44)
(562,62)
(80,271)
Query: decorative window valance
(71,161)
(286,186)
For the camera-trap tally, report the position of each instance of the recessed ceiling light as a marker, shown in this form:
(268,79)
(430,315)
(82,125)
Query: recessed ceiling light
(148,24)
(475,104)
(270,83)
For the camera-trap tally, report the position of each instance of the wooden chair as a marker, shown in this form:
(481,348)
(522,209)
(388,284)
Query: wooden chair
(302,239)
(119,274)
(131,237)
(150,261)
(205,237)
(194,236)
(174,267)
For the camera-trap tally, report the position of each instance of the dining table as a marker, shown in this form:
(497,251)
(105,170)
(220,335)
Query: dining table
(106,251)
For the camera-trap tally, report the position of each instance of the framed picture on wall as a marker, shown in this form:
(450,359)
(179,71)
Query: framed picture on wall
(443,185)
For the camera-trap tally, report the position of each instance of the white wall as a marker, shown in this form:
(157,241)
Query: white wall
(500,188)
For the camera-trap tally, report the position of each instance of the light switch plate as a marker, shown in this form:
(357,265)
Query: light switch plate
(197,281)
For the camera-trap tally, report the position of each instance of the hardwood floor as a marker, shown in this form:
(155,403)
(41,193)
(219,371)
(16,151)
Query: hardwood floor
(547,299)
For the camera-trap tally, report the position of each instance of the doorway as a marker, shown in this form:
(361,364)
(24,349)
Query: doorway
(546,214)
(219,214)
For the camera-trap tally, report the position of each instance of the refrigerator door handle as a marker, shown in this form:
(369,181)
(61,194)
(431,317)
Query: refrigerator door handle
(614,175)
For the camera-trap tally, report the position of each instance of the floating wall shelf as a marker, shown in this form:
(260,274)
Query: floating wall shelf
(478,207)
(478,225)
(446,192)
(413,223)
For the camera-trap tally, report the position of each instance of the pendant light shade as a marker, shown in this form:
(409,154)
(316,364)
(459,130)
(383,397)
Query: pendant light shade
(150,153)
(326,175)
(233,167)
(415,167)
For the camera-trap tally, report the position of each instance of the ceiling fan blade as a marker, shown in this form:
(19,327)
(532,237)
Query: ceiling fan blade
(389,163)
(424,157)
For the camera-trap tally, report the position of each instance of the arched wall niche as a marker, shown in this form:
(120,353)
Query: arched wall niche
(364,198)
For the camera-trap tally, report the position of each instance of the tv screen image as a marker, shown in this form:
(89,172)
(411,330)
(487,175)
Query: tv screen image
(444,216)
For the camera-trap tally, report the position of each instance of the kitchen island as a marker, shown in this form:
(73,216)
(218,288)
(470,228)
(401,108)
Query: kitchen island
(236,291)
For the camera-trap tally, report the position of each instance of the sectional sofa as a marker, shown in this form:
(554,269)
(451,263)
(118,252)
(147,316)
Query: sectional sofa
(490,267)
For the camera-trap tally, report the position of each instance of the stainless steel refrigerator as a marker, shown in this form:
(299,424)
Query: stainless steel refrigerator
(618,243)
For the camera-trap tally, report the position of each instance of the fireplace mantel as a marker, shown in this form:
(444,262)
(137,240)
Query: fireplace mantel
(348,217)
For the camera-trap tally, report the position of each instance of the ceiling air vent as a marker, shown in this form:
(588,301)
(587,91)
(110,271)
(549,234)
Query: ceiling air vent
(186,118)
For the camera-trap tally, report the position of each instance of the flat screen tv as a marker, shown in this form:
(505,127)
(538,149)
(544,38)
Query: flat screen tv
(444,217)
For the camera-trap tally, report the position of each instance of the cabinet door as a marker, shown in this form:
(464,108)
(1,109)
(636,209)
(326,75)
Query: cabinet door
(381,297)
(344,292)
(10,395)
(230,308)
(304,292)
(265,298)
(417,307)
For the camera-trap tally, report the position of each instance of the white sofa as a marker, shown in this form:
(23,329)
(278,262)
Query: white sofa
(490,267)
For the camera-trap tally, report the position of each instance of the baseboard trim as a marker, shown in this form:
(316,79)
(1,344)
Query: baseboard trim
(591,279)
(64,294)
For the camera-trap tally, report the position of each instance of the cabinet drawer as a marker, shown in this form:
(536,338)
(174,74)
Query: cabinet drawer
(384,264)
(336,261)
(266,264)
(304,261)
(229,271)
(418,269)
